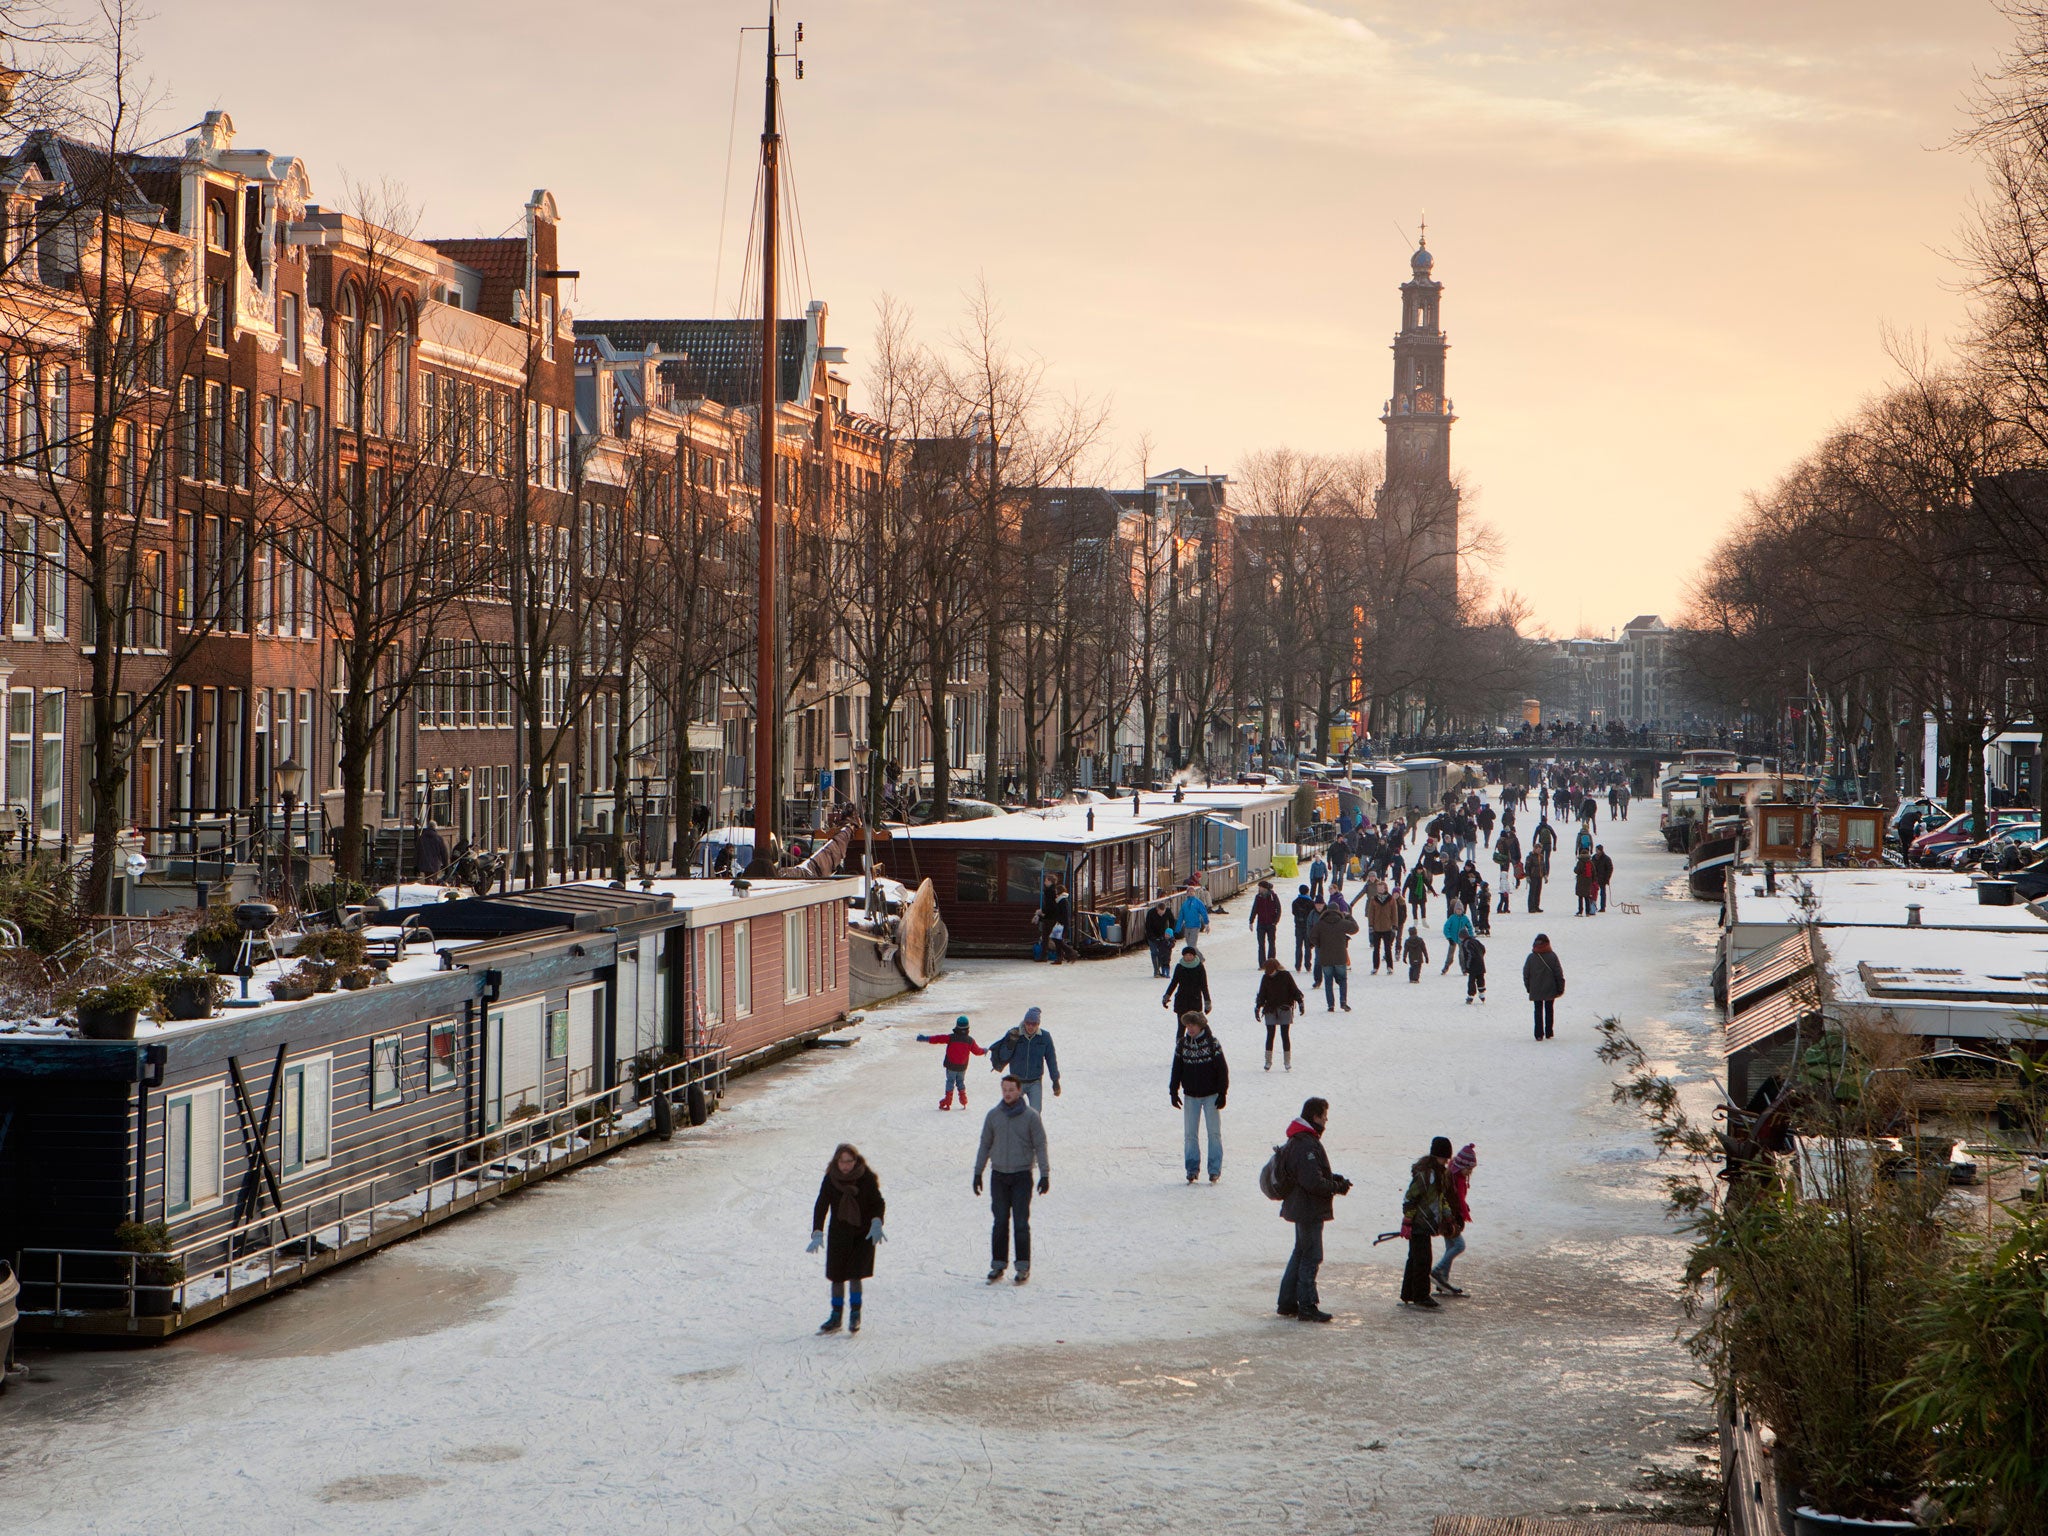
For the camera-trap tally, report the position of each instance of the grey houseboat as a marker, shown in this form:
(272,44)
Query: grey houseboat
(523,1036)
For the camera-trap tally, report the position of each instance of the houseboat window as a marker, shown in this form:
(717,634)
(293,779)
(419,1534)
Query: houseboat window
(1026,874)
(974,875)
(586,1037)
(192,1150)
(387,1053)
(711,974)
(828,949)
(558,1033)
(742,969)
(440,1056)
(308,1111)
(795,982)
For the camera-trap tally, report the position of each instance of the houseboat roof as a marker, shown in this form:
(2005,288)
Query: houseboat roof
(1236,796)
(704,902)
(584,907)
(1873,898)
(1063,825)
(1890,967)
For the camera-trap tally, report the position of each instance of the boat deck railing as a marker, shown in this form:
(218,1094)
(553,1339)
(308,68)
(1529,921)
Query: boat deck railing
(113,1290)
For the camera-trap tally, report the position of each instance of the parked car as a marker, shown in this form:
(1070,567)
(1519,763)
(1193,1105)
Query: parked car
(921,813)
(2007,848)
(1959,830)
(1922,813)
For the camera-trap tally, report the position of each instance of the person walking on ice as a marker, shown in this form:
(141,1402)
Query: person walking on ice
(1416,953)
(1187,988)
(1425,1211)
(1457,929)
(1194,912)
(960,1049)
(1265,921)
(1202,1077)
(1543,980)
(1475,968)
(1299,1177)
(1279,1000)
(846,1221)
(1462,1164)
(1027,1053)
(1012,1140)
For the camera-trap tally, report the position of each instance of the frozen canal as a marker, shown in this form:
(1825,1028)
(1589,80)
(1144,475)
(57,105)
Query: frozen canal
(632,1348)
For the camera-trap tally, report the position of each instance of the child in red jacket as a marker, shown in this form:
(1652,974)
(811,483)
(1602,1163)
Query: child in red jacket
(959,1047)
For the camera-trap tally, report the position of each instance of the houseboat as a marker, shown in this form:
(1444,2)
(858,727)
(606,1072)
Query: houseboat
(1116,860)
(1254,823)
(150,1184)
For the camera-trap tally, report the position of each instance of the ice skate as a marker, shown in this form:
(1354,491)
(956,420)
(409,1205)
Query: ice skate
(947,1102)
(995,1272)
(853,1320)
(1443,1286)
(831,1324)
(1287,1061)
(1023,1273)
(1269,1061)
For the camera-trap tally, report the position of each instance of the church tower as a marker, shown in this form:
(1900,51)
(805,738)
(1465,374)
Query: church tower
(1418,419)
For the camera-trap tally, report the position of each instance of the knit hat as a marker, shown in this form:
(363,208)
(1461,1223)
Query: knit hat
(960,1025)
(1030,1015)
(1440,1147)
(1467,1158)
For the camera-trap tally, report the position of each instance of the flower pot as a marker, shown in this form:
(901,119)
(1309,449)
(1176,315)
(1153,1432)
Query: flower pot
(190,999)
(107,1024)
(155,1300)
(290,991)
(1808,1521)
(224,955)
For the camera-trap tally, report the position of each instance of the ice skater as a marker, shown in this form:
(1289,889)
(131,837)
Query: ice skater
(1201,1076)
(1012,1139)
(1462,1164)
(1306,1187)
(960,1049)
(1027,1054)
(846,1221)
(1279,1000)
(1543,980)
(1416,953)
(1187,989)
(1425,1211)
(1475,968)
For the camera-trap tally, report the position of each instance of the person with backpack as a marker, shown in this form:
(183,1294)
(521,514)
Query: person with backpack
(1265,921)
(960,1049)
(1159,937)
(1461,1217)
(1416,953)
(1543,980)
(1201,1078)
(1535,870)
(1279,1000)
(1299,1177)
(1012,1139)
(1187,988)
(1425,1211)
(1474,958)
(1603,872)
(1304,909)
(1027,1054)
(846,1221)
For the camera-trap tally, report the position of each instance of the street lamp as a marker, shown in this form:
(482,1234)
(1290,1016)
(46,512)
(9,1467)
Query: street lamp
(288,778)
(867,825)
(642,767)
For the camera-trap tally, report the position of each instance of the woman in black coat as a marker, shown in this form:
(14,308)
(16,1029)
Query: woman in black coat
(1187,988)
(846,1222)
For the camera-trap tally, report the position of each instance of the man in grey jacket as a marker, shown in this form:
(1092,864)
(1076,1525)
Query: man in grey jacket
(1012,1139)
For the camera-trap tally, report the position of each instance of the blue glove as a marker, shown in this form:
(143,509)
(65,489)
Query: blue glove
(875,1232)
(817,1242)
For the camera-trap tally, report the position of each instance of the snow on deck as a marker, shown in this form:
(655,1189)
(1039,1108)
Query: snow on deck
(630,1348)
(1874,898)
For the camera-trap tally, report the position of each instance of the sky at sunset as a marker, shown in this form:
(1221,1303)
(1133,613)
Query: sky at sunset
(1672,237)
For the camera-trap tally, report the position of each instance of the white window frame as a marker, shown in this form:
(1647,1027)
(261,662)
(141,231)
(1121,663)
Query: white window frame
(711,974)
(204,1094)
(395,1044)
(795,956)
(300,1078)
(742,969)
(439,1077)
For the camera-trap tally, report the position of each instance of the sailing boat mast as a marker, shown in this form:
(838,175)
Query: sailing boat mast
(767,674)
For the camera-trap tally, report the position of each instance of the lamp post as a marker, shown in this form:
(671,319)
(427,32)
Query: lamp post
(642,767)
(288,777)
(867,825)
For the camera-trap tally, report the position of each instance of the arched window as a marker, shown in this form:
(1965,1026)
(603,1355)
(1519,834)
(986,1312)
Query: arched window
(401,371)
(378,363)
(347,319)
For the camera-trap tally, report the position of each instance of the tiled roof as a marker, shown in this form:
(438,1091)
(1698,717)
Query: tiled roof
(713,359)
(503,265)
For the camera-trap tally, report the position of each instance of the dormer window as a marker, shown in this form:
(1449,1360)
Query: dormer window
(216,223)
(21,231)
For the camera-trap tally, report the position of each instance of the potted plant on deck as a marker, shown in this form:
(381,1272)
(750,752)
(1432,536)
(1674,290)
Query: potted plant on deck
(216,939)
(108,1012)
(191,989)
(157,1272)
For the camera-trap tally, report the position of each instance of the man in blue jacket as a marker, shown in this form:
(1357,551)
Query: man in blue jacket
(1028,1055)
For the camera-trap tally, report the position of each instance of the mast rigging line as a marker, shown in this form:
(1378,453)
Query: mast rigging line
(739,60)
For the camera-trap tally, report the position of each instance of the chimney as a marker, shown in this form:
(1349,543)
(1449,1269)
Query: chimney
(1912,914)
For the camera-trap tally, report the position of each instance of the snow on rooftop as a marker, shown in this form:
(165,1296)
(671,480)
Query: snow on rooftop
(1875,898)
(1979,971)
(1063,824)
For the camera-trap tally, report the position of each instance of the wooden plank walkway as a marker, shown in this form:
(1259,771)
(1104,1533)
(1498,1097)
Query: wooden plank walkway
(1515,1525)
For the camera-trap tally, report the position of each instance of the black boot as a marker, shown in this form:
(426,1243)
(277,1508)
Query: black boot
(853,1319)
(831,1324)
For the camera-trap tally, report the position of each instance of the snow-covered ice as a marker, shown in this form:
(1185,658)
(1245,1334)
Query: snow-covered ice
(630,1348)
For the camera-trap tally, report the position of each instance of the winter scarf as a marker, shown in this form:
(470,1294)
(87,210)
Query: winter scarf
(847,1190)
(1013,1110)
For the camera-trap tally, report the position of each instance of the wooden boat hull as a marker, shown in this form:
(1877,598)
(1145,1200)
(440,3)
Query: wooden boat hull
(1709,862)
